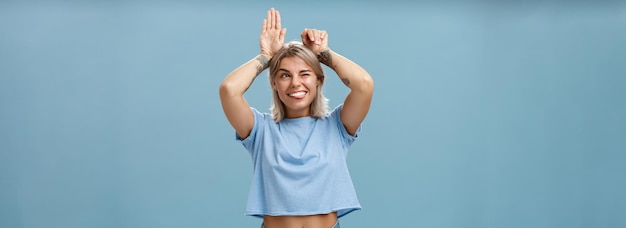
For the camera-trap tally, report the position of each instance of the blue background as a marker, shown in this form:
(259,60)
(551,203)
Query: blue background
(486,114)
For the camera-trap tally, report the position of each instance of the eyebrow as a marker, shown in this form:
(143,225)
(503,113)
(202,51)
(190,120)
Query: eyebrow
(302,71)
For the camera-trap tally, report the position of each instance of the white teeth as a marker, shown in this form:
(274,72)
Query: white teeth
(297,94)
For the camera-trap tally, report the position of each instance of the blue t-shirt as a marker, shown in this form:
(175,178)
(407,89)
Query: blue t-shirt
(300,166)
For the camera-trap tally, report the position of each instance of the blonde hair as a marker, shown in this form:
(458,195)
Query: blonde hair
(319,105)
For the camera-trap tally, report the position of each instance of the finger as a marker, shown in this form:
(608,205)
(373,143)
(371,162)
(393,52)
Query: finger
(269,19)
(283,32)
(278,22)
(311,34)
(303,35)
(264,25)
(273,19)
(323,34)
(317,36)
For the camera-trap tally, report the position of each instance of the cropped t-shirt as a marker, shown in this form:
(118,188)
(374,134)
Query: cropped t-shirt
(300,166)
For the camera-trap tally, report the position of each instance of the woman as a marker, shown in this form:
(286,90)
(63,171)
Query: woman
(300,174)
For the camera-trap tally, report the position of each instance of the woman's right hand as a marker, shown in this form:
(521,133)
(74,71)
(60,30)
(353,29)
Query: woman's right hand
(272,35)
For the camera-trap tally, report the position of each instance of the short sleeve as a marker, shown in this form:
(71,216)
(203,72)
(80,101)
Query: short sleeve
(348,139)
(248,142)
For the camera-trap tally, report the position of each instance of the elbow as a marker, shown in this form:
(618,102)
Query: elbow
(364,85)
(229,89)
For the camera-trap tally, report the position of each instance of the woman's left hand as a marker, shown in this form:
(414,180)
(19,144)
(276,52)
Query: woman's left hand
(315,40)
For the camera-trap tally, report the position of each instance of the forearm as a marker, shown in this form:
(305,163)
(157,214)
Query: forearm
(240,79)
(350,73)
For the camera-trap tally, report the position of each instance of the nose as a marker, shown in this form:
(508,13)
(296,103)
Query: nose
(296,81)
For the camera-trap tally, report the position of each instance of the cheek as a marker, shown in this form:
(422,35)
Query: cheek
(277,85)
(312,82)
(314,87)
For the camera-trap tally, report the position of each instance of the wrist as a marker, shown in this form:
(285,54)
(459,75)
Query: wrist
(263,62)
(324,56)
(266,55)
(321,50)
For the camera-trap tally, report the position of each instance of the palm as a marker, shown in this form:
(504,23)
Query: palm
(272,35)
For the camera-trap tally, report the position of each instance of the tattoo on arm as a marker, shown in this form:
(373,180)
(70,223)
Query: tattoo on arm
(325,58)
(263,64)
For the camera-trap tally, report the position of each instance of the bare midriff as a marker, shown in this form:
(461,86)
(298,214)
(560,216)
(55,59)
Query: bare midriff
(306,221)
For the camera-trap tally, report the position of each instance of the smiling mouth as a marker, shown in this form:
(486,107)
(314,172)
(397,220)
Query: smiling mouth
(299,94)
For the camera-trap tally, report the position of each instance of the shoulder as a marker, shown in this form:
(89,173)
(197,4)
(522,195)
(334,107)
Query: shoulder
(260,116)
(261,121)
(335,112)
(335,116)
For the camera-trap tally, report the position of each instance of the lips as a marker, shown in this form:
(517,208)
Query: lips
(298,94)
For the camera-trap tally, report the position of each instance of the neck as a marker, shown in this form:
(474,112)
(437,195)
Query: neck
(297,114)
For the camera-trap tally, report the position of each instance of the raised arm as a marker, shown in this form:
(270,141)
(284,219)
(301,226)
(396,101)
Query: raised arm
(235,106)
(361,84)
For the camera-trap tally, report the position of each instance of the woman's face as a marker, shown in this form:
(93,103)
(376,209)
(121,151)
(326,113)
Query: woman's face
(296,85)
